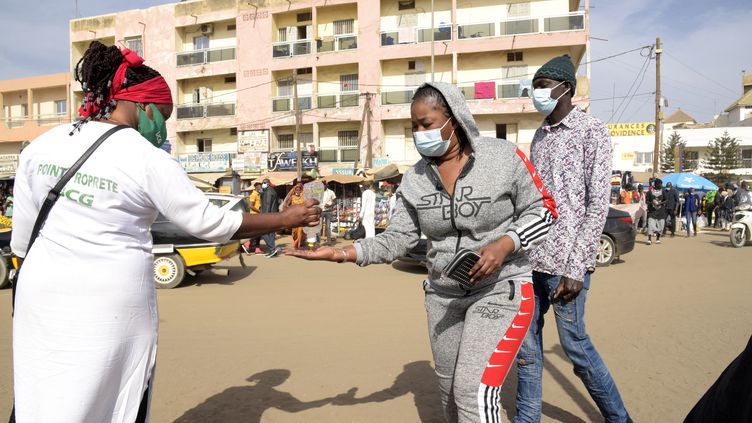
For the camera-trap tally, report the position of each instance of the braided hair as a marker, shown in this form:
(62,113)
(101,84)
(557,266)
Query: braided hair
(96,70)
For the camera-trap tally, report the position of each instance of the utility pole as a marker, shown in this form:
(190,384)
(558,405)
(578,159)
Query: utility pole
(366,111)
(296,110)
(658,113)
(369,151)
(433,38)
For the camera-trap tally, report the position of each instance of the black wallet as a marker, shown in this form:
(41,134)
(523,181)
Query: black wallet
(459,268)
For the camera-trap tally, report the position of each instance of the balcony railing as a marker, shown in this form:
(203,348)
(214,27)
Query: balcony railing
(50,120)
(16,121)
(338,43)
(200,57)
(284,103)
(502,90)
(397,97)
(342,154)
(196,111)
(532,25)
(292,48)
(344,99)
(414,35)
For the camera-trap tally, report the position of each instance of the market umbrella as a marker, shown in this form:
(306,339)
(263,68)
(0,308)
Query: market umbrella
(687,180)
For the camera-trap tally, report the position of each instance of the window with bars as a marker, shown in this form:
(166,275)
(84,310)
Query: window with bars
(135,44)
(348,82)
(284,88)
(643,158)
(345,26)
(285,141)
(204,145)
(61,107)
(747,159)
(691,160)
(405,4)
(347,139)
(514,56)
(518,10)
(282,35)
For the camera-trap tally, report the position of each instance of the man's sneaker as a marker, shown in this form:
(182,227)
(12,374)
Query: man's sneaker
(274,253)
(657,241)
(258,251)
(650,242)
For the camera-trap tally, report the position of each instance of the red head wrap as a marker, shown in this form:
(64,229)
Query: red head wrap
(154,90)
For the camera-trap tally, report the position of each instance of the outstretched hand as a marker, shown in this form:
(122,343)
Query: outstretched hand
(323,254)
(306,214)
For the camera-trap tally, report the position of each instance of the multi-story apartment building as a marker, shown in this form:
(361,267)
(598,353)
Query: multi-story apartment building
(231,66)
(30,106)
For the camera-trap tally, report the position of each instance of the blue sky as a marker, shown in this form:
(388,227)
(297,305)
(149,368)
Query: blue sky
(707,44)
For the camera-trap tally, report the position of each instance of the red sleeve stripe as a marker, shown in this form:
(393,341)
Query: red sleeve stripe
(548,200)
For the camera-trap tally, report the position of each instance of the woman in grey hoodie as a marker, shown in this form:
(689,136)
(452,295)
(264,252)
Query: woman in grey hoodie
(467,192)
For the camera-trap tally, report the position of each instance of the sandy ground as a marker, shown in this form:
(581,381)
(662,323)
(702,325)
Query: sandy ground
(277,341)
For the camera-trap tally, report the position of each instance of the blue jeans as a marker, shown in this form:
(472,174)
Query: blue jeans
(691,221)
(588,365)
(270,240)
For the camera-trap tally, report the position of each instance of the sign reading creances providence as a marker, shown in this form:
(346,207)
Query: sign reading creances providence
(631,129)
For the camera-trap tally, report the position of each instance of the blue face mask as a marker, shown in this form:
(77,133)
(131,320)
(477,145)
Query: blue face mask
(430,143)
(542,99)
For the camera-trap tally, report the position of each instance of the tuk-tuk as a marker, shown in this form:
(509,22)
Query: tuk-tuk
(177,252)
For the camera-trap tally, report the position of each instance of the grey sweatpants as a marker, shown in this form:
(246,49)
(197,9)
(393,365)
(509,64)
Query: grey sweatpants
(475,340)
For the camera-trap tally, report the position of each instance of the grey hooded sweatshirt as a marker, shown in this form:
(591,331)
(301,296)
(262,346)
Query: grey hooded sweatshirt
(497,193)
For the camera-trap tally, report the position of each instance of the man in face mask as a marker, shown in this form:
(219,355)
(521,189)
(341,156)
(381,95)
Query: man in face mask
(572,153)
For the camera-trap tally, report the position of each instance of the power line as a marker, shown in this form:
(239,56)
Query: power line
(736,92)
(642,70)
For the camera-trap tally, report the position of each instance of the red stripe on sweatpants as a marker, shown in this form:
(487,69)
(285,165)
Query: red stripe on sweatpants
(506,351)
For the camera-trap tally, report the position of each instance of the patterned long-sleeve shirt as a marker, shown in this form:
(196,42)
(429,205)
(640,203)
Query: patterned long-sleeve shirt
(573,160)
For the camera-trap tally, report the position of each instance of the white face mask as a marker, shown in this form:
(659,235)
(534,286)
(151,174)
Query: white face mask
(430,143)
(542,99)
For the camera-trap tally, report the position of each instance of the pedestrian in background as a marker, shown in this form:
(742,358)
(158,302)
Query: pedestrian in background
(729,205)
(708,206)
(691,207)
(368,210)
(269,204)
(328,203)
(673,208)
(720,197)
(656,211)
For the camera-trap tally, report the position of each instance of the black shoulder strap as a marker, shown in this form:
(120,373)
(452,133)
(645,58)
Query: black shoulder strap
(54,193)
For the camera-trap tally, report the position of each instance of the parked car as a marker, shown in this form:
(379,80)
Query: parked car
(617,239)
(176,252)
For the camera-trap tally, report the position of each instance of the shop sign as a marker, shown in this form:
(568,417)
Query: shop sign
(628,156)
(289,161)
(8,163)
(381,162)
(256,140)
(205,162)
(631,129)
(253,162)
(343,171)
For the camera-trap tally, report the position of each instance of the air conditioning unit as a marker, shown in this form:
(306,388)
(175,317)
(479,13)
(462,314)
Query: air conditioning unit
(207,29)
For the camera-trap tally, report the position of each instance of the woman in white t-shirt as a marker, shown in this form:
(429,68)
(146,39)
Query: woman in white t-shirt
(85,323)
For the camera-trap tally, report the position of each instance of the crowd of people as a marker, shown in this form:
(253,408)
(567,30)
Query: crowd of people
(668,210)
(501,254)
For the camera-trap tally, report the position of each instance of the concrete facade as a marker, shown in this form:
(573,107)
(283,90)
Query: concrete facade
(230,64)
(635,153)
